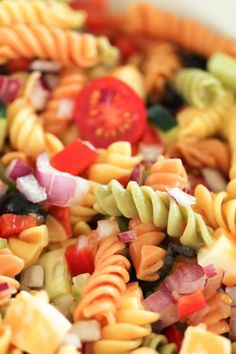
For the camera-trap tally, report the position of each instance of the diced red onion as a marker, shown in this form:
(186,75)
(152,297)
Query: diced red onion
(127,236)
(231,291)
(213,284)
(186,279)
(214,179)
(29,186)
(210,270)
(162,302)
(65,108)
(18,168)
(136,175)
(4,287)
(49,81)
(8,88)
(62,188)
(180,196)
(3,188)
(150,152)
(39,96)
(47,66)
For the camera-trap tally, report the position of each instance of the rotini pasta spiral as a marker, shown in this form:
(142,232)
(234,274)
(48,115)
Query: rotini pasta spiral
(160,343)
(200,124)
(153,207)
(167,173)
(215,209)
(106,285)
(36,11)
(146,257)
(5,338)
(85,211)
(160,63)
(228,131)
(113,163)
(10,266)
(25,126)
(198,87)
(209,152)
(29,244)
(70,82)
(151,22)
(8,157)
(66,47)
(215,316)
(133,324)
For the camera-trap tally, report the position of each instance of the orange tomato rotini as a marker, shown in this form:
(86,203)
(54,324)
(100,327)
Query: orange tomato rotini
(106,285)
(146,257)
(161,61)
(208,152)
(167,173)
(70,82)
(10,266)
(66,47)
(152,22)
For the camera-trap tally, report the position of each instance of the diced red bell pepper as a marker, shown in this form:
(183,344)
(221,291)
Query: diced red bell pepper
(63,216)
(124,180)
(75,158)
(20,64)
(173,335)
(188,304)
(12,224)
(150,136)
(79,261)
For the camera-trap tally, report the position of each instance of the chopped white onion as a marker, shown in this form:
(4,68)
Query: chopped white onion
(18,168)
(150,152)
(231,291)
(39,96)
(63,304)
(180,196)
(107,228)
(65,108)
(214,179)
(45,66)
(29,186)
(62,188)
(73,340)
(3,188)
(87,331)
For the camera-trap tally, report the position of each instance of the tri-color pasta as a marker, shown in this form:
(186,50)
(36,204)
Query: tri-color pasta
(116,129)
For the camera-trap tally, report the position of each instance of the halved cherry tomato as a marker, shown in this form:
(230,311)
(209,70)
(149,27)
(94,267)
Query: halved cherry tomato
(95,10)
(108,110)
(63,216)
(20,64)
(12,224)
(79,261)
(188,304)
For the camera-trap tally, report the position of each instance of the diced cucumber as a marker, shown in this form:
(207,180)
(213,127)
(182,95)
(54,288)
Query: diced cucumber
(3,243)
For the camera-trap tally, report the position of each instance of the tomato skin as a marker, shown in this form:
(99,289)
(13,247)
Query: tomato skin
(79,261)
(188,304)
(173,335)
(108,110)
(21,64)
(63,216)
(75,158)
(12,224)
